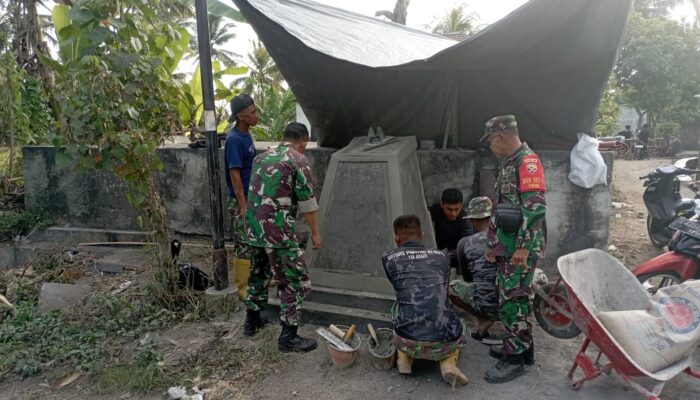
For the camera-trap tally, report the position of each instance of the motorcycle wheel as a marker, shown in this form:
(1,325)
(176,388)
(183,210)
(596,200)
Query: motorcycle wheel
(654,281)
(550,319)
(659,235)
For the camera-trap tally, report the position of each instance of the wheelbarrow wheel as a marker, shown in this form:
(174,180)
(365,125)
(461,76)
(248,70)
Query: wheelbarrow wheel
(550,319)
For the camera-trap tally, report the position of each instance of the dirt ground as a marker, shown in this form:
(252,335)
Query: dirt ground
(628,224)
(312,376)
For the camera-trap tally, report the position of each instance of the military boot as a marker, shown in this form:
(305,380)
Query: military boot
(528,355)
(404,363)
(506,369)
(289,341)
(253,322)
(450,371)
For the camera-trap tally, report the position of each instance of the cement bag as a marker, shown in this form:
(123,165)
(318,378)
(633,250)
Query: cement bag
(666,332)
(587,166)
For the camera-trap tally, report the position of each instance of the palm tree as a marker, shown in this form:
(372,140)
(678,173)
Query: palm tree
(456,21)
(220,32)
(263,74)
(28,41)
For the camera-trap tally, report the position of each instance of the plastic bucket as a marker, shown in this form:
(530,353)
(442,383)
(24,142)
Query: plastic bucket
(344,359)
(240,270)
(384,355)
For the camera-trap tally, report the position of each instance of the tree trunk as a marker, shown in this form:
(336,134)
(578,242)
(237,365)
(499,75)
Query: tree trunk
(155,212)
(39,46)
(696,3)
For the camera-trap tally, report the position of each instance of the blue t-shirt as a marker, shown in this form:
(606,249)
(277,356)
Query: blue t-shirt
(239,152)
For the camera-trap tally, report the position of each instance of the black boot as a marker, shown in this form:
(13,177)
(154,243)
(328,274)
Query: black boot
(528,355)
(289,341)
(253,323)
(506,370)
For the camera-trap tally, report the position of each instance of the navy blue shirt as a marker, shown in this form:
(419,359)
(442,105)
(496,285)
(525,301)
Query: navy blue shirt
(239,152)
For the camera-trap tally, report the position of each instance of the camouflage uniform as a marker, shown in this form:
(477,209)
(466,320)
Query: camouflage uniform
(281,186)
(478,288)
(424,322)
(520,181)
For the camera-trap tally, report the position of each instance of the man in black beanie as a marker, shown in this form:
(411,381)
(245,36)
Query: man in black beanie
(239,153)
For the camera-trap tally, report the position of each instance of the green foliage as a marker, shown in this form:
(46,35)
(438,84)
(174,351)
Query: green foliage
(30,341)
(141,374)
(263,75)
(220,33)
(456,21)
(191,106)
(658,72)
(118,97)
(119,101)
(13,223)
(24,112)
(608,112)
(279,109)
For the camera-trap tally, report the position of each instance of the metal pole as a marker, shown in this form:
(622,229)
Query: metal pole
(213,165)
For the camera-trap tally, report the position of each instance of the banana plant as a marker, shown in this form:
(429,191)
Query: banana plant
(191,101)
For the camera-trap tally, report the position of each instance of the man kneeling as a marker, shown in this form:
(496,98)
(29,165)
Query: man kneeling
(425,325)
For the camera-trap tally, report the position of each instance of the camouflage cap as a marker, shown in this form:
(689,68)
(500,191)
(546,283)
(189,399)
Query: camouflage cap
(479,207)
(499,124)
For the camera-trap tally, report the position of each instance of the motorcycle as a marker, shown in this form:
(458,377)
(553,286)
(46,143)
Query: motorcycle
(664,203)
(682,262)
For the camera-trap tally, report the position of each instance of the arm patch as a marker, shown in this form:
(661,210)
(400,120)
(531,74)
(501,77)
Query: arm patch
(531,174)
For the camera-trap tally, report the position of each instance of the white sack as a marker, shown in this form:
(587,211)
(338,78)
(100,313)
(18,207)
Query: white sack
(666,332)
(587,165)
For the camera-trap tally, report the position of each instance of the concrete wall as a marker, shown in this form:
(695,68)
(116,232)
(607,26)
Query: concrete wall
(576,219)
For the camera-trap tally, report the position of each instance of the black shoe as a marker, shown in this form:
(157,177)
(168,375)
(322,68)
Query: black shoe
(506,370)
(487,339)
(253,323)
(289,341)
(528,355)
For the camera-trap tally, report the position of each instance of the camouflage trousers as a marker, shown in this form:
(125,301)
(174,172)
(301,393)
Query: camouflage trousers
(514,288)
(238,230)
(461,294)
(429,350)
(289,270)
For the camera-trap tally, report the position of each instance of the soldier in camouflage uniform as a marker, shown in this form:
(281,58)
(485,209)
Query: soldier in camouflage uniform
(516,241)
(426,326)
(281,185)
(477,292)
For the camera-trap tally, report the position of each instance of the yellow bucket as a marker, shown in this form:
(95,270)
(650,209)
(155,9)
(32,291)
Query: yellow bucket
(240,270)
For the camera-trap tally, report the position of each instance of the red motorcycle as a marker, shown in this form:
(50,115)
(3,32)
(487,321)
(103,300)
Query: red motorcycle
(682,262)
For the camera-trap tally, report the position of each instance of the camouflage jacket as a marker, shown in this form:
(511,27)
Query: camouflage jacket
(280,186)
(481,272)
(520,181)
(421,279)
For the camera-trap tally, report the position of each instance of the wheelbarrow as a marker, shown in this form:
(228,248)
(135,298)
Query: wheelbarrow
(596,282)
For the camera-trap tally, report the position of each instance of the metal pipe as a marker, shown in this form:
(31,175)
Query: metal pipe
(213,164)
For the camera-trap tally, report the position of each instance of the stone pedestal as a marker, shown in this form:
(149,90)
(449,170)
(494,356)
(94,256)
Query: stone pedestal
(222,301)
(365,188)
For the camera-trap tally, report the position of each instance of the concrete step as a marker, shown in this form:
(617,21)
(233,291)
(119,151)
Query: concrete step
(75,235)
(380,303)
(326,314)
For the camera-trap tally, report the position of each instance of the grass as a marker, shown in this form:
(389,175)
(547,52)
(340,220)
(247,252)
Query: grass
(13,223)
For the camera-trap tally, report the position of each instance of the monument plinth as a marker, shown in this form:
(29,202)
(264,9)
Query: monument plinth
(365,188)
